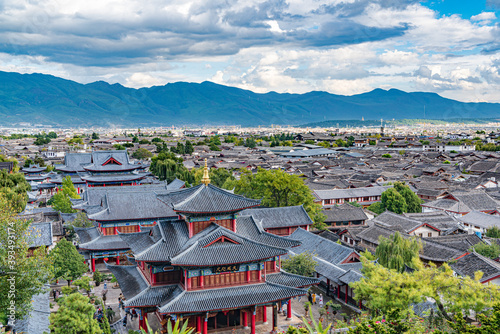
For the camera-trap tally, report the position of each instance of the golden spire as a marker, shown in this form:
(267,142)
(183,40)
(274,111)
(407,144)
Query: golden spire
(205,179)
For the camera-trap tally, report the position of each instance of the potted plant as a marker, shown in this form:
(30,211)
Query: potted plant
(97,276)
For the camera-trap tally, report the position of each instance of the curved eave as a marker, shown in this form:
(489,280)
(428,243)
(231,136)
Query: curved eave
(110,170)
(225,263)
(213,212)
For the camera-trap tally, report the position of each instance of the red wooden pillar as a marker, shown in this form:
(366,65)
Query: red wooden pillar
(253,322)
(153,276)
(289,310)
(188,287)
(116,230)
(338,291)
(233,225)
(198,324)
(248,275)
(260,274)
(201,280)
(103,231)
(205,325)
(190,228)
(264,314)
(245,319)
(142,321)
(118,260)
(93,264)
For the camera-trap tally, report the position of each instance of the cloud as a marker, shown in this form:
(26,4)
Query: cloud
(341,46)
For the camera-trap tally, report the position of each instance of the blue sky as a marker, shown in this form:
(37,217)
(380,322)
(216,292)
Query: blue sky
(450,47)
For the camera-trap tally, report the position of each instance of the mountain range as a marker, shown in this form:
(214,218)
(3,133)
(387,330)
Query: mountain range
(49,100)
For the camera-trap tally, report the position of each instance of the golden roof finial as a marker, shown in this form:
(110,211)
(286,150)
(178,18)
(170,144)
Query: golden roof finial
(205,179)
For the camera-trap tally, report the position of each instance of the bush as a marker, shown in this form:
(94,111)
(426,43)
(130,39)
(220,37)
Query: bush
(386,155)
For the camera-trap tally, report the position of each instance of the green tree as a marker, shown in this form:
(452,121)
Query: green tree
(68,263)
(95,136)
(28,271)
(75,141)
(377,208)
(188,148)
(301,264)
(144,142)
(250,143)
(386,155)
(325,144)
(166,166)
(82,220)
(214,147)
(411,199)
(13,188)
(218,176)
(68,188)
(142,153)
(61,202)
(277,188)
(393,201)
(491,251)
(493,232)
(75,316)
(41,141)
(395,252)
(84,284)
(52,135)
(385,290)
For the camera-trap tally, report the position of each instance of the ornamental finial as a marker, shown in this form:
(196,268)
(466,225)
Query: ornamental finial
(205,179)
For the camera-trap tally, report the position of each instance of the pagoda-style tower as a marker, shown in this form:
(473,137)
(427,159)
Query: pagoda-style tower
(208,267)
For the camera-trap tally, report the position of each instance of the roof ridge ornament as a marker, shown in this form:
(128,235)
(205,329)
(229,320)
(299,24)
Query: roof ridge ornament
(206,178)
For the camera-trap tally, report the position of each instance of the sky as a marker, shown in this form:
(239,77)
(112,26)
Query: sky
(450,47)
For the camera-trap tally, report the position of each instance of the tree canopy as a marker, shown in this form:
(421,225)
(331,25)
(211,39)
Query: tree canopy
(31,270)
(75,315)
(395,252)
(68,263)
(168,167)
(301,264)
(142,153)
(493,232)
(277,188)
(491,251)
(399,199)
(385,290)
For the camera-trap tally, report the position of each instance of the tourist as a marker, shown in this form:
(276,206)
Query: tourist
(321,300)
(314,298)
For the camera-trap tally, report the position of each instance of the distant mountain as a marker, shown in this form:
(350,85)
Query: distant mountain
(48,100)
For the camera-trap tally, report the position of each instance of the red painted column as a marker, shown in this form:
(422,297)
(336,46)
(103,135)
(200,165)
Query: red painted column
(201,279)
(248,275)
(198,324)
(116,230)
(153,276)
(260,274)
(338,291)
(118,260)
(253,322)
(264,314)
(233,225)
(205,325)
(289,310)
(245,319)
(190,228)
(93,264)
(188,287)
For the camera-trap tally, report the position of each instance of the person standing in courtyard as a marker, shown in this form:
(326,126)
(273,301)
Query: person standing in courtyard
(314,298)
(320,300)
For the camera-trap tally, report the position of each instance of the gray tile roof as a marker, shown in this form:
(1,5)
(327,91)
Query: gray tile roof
(154,296)
(246,226)
(39,234)
(291,280)
(74,162)
(37,321)
(104,242)
(480,219)
(323,248)
(350,193)
(398,222)
(232,297)
(344,213)
(87,234)
(473,262)
(211,199)
(130,279)
(206,252)
(279,217)
(132,206)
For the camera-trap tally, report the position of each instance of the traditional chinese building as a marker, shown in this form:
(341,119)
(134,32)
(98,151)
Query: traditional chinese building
(208,265)
(101,169)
